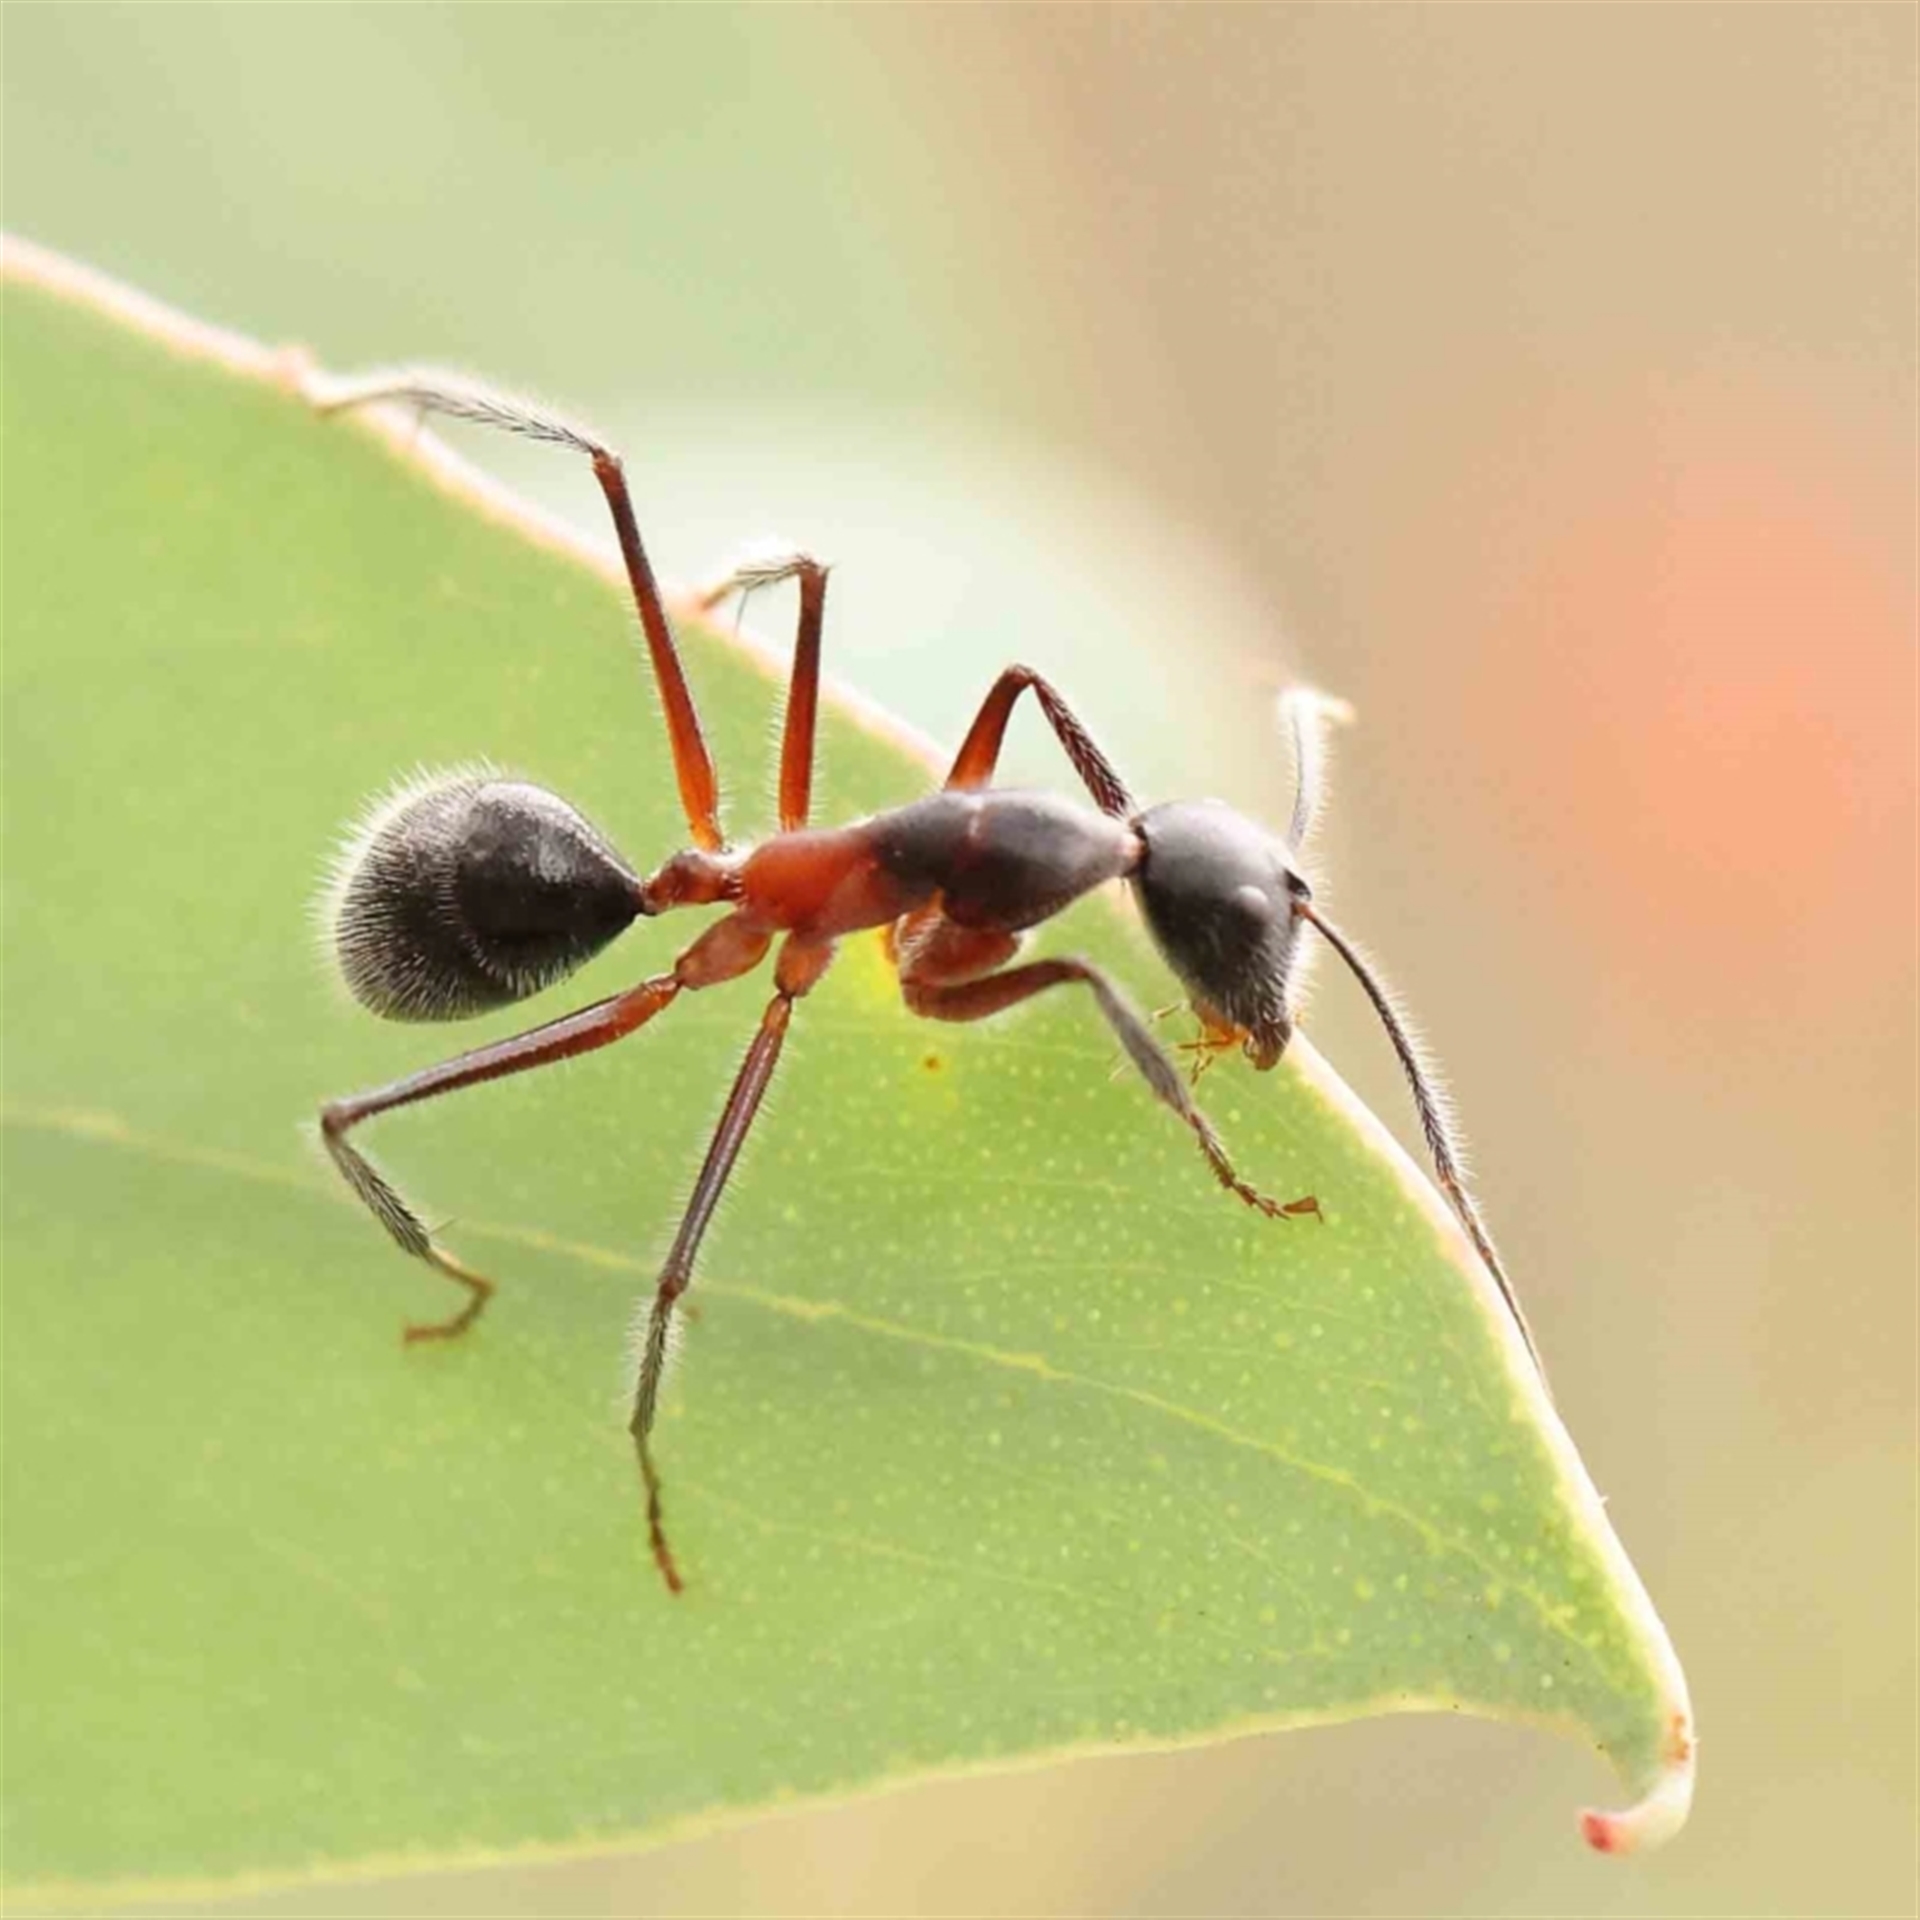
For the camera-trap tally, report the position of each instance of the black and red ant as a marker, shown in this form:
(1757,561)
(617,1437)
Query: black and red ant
(470,891)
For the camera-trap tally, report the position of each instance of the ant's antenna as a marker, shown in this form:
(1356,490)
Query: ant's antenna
(1436,1122)
(1308,716)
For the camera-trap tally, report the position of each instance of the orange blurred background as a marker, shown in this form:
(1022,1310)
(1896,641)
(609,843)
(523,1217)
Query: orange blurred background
(1543,381)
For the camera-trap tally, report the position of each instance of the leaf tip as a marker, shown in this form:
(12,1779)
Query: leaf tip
(1661,1812)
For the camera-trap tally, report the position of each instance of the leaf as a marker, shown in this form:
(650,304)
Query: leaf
(1001,1432)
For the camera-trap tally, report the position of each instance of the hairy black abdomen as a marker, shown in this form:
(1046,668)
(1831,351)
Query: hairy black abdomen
(470,892)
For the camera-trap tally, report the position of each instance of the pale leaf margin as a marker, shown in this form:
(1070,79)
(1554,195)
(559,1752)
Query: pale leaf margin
(1666,1789)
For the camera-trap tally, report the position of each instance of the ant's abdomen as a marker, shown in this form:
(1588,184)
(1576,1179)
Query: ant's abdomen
(465,891)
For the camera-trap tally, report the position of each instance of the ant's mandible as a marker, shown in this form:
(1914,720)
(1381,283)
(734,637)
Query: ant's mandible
(467,891)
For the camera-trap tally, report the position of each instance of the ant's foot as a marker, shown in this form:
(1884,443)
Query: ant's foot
(1273,1209)
(1247,1191)
(656,1526)
(478,1286)
(663,1559)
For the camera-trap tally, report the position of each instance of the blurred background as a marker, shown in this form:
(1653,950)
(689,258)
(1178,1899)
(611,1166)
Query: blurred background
(1544,381)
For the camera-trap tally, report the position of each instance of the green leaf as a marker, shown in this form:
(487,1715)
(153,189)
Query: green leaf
(1001,1432)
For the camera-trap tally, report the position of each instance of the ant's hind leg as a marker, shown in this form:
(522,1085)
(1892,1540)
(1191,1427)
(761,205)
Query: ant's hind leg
(433,390)
(727,949)
(980,998)
(409,1232)
(596,1026)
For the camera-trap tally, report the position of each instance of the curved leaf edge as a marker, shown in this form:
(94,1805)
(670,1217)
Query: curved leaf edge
(61,1896)
(1664,1784)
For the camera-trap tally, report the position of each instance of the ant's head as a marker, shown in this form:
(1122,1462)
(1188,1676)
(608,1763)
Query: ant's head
(1219,892)
(461,892)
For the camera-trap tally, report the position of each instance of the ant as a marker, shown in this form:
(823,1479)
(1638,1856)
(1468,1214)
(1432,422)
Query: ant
(466,891)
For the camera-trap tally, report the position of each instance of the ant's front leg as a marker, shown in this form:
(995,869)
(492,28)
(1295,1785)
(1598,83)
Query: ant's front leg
(946,973)
(1214,1038)
(1202,1050)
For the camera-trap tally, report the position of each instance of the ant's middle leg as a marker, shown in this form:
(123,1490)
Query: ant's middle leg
(944,977)
(980,752)
(803,689)
(799,967)
(722,952)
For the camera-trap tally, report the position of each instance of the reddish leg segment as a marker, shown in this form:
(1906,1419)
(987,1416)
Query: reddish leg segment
(800,965)
(434,391)
(692,763)
(591,1027)
(803,690)
(980,752)
(957,997)
(724,951)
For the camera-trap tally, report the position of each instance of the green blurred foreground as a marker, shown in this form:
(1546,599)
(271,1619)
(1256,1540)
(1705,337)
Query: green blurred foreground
(1001,1431)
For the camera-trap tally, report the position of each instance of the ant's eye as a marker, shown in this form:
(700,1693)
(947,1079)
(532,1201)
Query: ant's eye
(1254,905)
(466,892)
